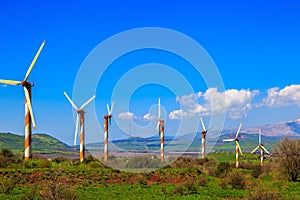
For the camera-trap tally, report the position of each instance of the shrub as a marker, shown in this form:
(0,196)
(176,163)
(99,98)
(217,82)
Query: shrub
(139,162)
(223,184)
(8,184)
(288,151)
(261,192)
(56,189)
(89,159)
(30,164)
(60,159)
(210,170)
(94,164)
(202,181)
(237,180)
(44,163)
(178,190)
(222,169)
(4,161)
(256,171)
(6,153)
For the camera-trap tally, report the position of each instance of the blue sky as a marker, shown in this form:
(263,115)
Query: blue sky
(254,44)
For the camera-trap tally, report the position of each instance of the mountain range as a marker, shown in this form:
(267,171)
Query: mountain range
(271,134)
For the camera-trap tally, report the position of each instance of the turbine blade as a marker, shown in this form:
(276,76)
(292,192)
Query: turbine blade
(10,82)
(28,103)
(108,110)
(112,107)
(228,140)
(34,60)
(158,109)
(87,102)
(203,126)
(265,149)
(71,102)
(237,133)
(259,136)
(255,149)
(239,147)
(76,129)
(157,126)
(210,129)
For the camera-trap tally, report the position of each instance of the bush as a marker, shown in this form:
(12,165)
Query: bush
(30,164)
(178,190)
(8,184)
(223,184)
(94,164)
(210,170)
(237,180)
(202,181)
(6,153)
(37,163)
(222,169)
(256,171)
(60,159)
(261,192)
(288,151)
(56,189)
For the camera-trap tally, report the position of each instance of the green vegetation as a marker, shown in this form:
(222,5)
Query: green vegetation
(187,178)
(41,144)
(214,177)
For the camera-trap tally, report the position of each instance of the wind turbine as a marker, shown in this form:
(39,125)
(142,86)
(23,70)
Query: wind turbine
(107,120)
(204,131)
(262,148)
(80,119)
(160,127)
(237,146)
(29,118)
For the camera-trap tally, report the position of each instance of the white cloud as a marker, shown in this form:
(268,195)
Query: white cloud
(126,115)
(148,117)
(279,98)
(235,102)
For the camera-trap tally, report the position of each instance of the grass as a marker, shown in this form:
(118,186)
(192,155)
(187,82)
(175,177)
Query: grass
(90,181)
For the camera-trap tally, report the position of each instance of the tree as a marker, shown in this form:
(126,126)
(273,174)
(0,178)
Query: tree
(288,151)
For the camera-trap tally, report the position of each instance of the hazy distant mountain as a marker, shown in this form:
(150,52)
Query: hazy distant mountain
(289,128)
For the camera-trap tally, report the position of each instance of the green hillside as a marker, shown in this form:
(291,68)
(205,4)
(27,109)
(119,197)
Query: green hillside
(41,143)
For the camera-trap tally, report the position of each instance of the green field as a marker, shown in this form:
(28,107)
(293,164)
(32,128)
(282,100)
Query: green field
(187,178)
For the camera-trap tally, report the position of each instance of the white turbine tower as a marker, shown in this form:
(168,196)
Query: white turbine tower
(237,146)
(80,119)
(203,133)
(160,127)
(107,120)
(261,147)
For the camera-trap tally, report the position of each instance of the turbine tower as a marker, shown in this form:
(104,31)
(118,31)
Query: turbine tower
(262,148)
(29,118)
(237,146)
(204,132)
(80,118)
(107,120)
(160,127)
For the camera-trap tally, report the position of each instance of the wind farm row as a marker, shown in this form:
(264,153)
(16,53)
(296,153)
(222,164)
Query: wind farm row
(80,123)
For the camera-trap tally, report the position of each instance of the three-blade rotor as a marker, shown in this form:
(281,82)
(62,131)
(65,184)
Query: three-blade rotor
(260,145)
(26,84)
(236,139)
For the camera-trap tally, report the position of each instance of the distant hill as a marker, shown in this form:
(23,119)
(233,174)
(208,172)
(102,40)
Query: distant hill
(289,128)
(41,144)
